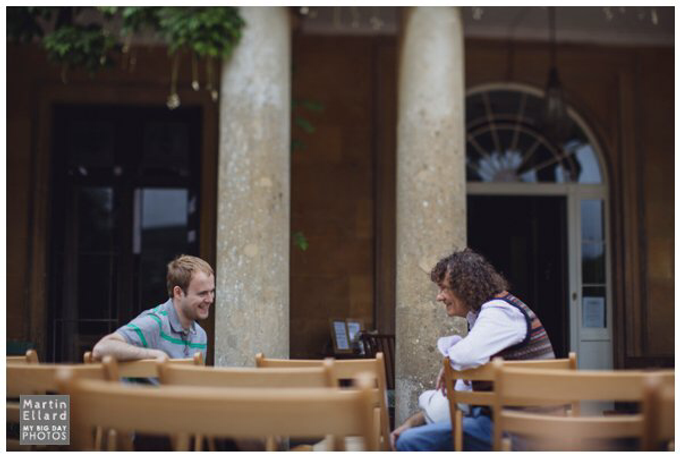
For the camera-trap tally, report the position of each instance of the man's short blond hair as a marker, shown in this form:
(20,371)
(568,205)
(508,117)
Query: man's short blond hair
(182,270)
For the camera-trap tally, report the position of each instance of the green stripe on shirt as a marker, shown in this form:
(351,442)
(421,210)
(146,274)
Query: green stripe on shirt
(139,332)
(182,342)
(175,340)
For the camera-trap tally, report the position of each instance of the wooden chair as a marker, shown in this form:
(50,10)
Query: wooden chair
(485,373)
(524,387)
(237,412)
(659,415)
(30,357)
(40,379)
(145,368)
(377,342)
(348,369)
(187,375)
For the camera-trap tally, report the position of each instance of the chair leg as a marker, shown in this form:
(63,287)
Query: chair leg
(112,435)
(458,431)
(181,442)
(98,439)
(270,444)
(198,439)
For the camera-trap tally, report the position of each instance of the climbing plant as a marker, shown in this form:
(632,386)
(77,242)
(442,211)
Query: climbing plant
(93,38)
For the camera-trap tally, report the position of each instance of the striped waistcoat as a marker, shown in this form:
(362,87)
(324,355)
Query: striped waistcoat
(536,344)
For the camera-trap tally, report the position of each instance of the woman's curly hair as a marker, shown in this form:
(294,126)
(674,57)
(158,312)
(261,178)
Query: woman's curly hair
(471,278)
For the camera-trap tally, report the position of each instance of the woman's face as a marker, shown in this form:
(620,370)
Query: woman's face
(454,305)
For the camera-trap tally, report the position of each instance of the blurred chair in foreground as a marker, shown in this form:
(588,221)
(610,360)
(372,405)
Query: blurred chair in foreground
(272,378)
(30,357)
(347,369)
(523,387)
(145,368)
(659,412)
(40,379)
(238,412)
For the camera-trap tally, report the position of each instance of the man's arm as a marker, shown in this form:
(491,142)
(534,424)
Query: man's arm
(416,420)
(498,326)
(116,346)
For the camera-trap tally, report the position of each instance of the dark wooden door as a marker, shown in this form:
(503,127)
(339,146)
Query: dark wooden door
(525,238)
(125,201)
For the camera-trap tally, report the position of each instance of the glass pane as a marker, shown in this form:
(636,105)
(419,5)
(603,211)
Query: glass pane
(588,166)
(164,219)
(594,309)
(506,111)
(166,146)
(591,221)
(96,275)
(593,263)
(95,219)
(504,104)
(152,278)
(91,144)
(475,113)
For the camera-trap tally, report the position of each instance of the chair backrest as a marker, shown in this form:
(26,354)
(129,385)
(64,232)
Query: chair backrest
(188,375)
(659,415)
(529,387)
(30,357)
(487,397)
(377,342)
(344,370)
(234,412)
(146,368)
(40,379)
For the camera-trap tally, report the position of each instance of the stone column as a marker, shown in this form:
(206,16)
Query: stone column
(253,209)
(431,219)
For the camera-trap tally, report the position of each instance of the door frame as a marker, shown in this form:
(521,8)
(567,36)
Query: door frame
(86,91)
(579,338)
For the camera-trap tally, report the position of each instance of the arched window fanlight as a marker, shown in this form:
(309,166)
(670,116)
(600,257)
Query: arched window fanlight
(505,143)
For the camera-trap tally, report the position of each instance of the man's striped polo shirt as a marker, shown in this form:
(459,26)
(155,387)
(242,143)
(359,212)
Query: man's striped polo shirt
(160,328)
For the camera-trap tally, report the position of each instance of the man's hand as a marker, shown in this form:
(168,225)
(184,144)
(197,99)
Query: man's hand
(157,354)
(413,421)
(116,346)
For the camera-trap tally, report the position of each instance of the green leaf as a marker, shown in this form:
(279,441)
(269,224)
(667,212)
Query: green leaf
(296,145)
(300,241)
(304,124)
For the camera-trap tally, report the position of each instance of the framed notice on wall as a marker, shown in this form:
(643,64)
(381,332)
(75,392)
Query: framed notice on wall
(340,336)
(344,333)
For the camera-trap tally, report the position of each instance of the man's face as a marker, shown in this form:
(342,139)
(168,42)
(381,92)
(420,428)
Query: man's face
(195,304)
(454,305)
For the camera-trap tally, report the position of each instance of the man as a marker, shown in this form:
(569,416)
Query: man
(500,325)
(169,330)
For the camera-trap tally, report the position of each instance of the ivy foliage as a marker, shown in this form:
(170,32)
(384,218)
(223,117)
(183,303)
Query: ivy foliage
(80,46)
(207,31)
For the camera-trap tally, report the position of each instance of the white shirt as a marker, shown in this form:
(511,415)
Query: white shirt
(497,326)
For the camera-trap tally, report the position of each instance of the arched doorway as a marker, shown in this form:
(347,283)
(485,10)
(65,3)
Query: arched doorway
(539,211)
